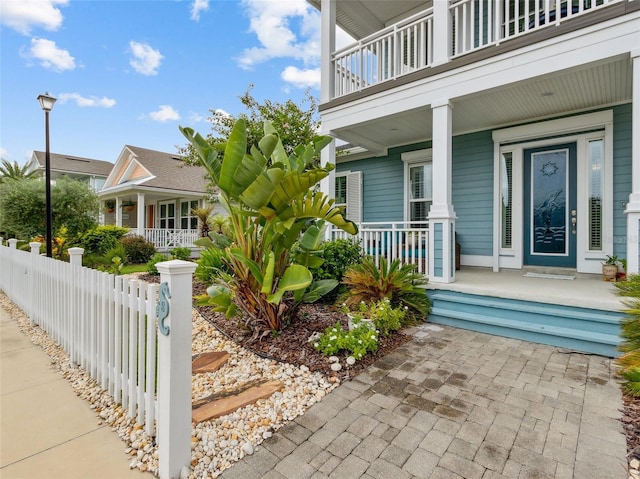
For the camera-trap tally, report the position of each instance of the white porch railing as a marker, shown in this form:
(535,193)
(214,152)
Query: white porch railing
(168,239)
(405,240)
(408,45)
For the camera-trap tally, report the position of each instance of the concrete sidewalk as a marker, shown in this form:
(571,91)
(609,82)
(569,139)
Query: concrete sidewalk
(455,404)
(47,432)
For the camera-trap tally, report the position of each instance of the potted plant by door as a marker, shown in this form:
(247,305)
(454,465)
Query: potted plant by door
(109,206)
(610,269)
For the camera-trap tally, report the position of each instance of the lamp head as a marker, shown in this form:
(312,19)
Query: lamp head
(46,101)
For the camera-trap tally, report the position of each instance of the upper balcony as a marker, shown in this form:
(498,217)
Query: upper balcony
(445,34)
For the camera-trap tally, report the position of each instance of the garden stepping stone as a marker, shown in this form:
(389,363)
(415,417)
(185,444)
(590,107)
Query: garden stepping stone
(208,362)
(228,401)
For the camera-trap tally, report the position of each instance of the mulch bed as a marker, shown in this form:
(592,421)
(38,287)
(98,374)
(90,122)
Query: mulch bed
(631,424)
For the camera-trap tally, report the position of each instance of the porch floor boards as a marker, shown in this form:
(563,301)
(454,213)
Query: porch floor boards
(586,291)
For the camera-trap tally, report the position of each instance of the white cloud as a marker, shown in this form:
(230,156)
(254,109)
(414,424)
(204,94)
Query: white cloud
(49,55)
(23,15)
(198,6)
(165,113)
(271,22)
(83,101)
(145,59)
(196,118)
(3,153)
(302,78)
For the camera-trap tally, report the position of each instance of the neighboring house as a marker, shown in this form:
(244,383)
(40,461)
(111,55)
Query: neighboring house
(154,193)
(92,171)
(510,127)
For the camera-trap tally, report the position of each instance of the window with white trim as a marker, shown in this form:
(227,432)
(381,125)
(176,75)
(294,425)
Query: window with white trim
(506,198)
(348,194)
(418,185)
(596,159)
(188,221)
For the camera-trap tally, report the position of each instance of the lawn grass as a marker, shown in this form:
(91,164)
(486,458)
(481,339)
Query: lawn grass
(134,268)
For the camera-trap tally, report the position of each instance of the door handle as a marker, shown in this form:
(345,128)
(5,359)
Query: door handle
(574,221)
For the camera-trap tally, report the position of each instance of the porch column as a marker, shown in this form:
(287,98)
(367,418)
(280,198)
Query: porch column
(327,185)
(140,209)
(441,33)
(327,47)
(118,212)
(633,206)
(441,215)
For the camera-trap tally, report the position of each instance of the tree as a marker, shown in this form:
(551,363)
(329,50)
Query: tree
(74,208)
(15,172)
(295,125)
(272,206)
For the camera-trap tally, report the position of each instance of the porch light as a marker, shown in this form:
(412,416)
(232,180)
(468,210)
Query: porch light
(46,103)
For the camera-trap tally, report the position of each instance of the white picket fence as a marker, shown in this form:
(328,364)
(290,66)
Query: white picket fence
(107,325)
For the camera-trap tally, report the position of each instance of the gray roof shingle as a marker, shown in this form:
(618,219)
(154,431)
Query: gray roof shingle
(75,164)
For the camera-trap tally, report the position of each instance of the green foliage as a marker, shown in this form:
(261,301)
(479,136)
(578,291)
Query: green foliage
(338,255)
(74,208)
(137,249)
(401,284)
(630,333)
(296,125)
(182,253)
(358,341)
(210,263)
(385,317)
(101,239)
(272,204)
(13,171)
(155,259)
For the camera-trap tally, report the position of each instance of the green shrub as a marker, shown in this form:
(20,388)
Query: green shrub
(210,263)
(630,333)
(182,253)
(338,255)
(359,341)
(401,284)
(100,239)
(138,250)
(155,259)
(385,317)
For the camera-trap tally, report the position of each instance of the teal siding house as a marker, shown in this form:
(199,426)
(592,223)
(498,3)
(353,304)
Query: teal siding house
(478,137)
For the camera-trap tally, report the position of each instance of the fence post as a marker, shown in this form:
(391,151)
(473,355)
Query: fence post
(75,256)
(13,243)
(174,367)
(35,253)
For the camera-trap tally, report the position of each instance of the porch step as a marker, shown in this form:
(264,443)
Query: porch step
(581,329)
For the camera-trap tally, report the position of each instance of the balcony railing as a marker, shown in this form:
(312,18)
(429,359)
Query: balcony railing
(168,239)
(408,45)
(405,240)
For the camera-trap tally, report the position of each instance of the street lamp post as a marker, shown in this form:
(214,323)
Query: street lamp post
(46,103)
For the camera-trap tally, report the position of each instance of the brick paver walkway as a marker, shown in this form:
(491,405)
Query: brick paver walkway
(457,404)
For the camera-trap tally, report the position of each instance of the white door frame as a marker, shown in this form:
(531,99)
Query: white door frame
(579,129)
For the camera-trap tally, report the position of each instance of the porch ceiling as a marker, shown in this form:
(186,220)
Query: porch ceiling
(360,18)
(601,84)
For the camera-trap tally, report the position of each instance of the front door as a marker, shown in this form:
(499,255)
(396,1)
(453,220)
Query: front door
(550,206)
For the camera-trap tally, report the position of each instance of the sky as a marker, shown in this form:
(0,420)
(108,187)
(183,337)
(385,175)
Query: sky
(130,72)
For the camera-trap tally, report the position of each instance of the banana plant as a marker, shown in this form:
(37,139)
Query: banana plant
(272,206)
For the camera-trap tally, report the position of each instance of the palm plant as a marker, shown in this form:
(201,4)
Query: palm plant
(400,283)
(14,171)
(272,206)
(203,214)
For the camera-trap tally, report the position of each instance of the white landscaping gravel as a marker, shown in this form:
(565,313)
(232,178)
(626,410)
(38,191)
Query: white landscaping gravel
(215,445)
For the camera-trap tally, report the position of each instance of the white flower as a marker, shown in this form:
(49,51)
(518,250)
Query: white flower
(333,338)
(315,345)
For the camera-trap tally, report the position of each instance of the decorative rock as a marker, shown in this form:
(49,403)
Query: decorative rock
(334,359)
(351,360)
(215,445)
(247,448)
(336,367)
